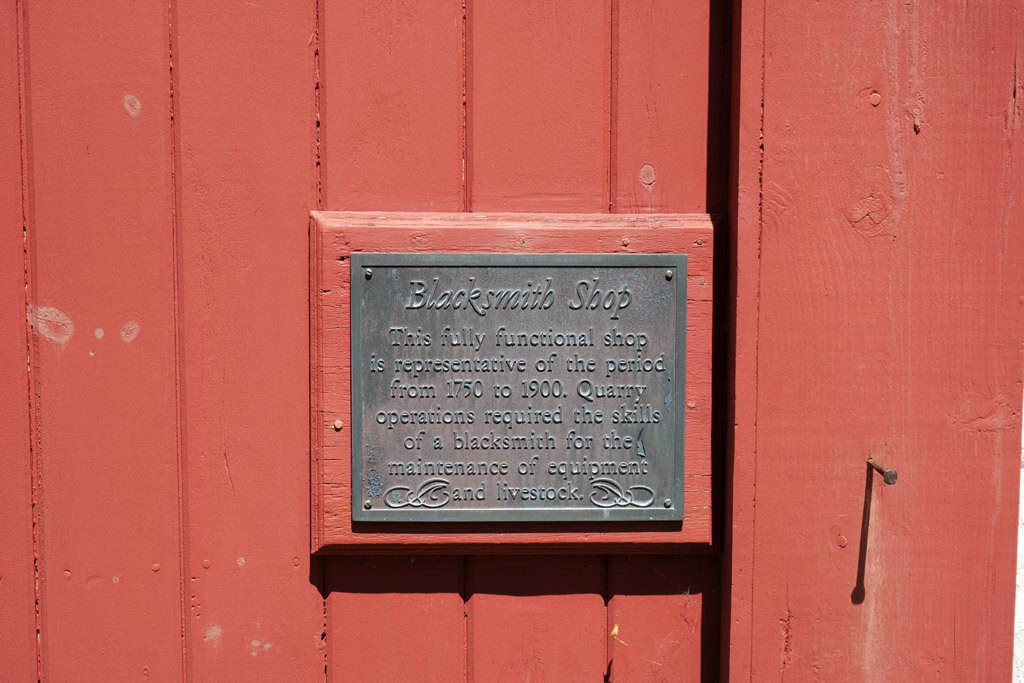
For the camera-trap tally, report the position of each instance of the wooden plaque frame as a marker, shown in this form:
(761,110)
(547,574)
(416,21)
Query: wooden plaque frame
(334,236)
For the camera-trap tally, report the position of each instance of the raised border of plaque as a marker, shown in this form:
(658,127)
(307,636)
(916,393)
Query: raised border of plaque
(617,456)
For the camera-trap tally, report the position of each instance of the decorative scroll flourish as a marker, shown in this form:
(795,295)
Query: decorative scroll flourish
(432,493)
(608,493)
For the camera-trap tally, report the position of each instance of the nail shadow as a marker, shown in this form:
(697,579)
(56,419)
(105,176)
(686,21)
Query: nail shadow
(858,594)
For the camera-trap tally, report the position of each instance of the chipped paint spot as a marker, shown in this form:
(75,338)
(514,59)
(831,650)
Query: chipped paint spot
(256,645)
(115,579)
(132,105)
(99,333)
(129,331)
(647,175)
(240,562)
(51,323)
(213,635)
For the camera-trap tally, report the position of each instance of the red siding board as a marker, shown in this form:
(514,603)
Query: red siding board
(538,106)
(890,318)
(660,106)
(663,616)
(392,116)
(536,618)
(244,98)
(102,265)
(398,617)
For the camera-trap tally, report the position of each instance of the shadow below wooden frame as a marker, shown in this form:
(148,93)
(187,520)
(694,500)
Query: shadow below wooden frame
(442,616)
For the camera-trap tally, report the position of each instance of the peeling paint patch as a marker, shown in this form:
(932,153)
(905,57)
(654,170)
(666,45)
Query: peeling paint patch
(51,323)
(240,562)
(132,105)
(129,331)
(213,635)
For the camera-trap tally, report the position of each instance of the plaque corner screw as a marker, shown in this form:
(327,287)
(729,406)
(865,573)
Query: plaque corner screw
(668,502)
(368,273)
(367,505)
(668,274)
(338,424)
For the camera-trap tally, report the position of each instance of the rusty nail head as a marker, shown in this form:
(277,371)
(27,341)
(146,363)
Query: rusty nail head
(338,424)
(888,476)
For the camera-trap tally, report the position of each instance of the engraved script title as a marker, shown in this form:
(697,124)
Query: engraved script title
(588,295)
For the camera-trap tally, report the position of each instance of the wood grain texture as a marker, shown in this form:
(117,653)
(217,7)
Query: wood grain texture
(17,566)
(538,106)
(660,99)
(339,234)
(536,618)
(663,617)
(245,107)
(103,355)
(396,618)
(891,316)
(393,117)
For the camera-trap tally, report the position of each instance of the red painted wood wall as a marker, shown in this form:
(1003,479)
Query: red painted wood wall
(158,163)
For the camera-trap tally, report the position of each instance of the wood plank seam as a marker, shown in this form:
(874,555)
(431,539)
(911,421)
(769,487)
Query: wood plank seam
(317,102)
(748,65)
(613,99)
(757,320)
(466,40)
(26,192)
(177,272)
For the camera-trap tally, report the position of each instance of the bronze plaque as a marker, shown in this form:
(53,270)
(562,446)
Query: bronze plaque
(518,387)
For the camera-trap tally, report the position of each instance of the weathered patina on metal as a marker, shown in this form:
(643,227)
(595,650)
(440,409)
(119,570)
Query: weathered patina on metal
(504,387)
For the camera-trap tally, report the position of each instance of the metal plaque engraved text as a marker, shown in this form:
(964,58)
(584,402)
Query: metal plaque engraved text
(518,387)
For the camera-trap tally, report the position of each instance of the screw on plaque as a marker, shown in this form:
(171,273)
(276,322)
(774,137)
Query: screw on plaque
(888,476)
(668,274)
(368,273)
(367,505)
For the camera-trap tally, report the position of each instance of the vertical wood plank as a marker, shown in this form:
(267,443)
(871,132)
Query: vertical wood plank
(663,616)
(17,581)
(661,106)
(392,121)
(244,95)
(104,356)
(538,106)
(743,268)
(536,618)
(892,177)
(396,618)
